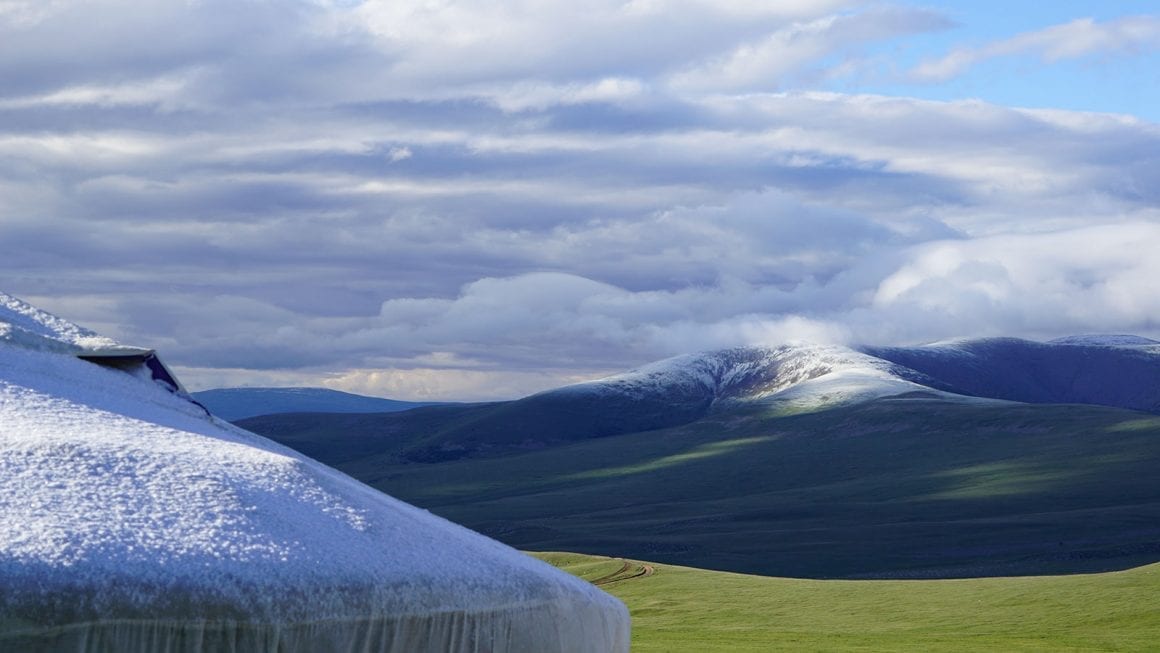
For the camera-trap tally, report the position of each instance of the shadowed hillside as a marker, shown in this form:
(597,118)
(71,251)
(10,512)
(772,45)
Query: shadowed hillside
(1020,370)
(685,389)
(888,488)
(240,403)
(815,462)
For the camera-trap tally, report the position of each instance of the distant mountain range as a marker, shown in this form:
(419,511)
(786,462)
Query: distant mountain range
(240,403)
(966,458)
(1116,371)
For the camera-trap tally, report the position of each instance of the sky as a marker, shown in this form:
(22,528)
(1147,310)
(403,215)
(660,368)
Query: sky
(468,200)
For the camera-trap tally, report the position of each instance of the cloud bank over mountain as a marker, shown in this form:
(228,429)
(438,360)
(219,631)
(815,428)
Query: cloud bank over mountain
(453,200)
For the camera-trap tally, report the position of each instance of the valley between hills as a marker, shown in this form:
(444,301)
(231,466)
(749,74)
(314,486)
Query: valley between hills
(975,495)
(979,458)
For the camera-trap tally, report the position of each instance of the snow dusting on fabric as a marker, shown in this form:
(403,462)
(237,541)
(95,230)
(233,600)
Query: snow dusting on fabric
(123,502)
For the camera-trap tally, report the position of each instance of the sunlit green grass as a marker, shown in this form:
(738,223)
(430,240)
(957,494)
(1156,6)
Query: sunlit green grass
(686,609)
(703,451)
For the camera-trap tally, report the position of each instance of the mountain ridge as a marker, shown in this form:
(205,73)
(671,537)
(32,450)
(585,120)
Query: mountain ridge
(808,461)
(241,403)
(1033,372)
(787,378)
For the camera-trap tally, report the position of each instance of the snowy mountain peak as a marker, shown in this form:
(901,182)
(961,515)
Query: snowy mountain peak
(1121,371)
(748,373)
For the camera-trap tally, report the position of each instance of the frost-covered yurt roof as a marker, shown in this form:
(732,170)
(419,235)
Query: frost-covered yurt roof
(131,520)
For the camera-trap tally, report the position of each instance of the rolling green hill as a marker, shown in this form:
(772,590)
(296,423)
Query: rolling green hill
(685,609)
(896,488)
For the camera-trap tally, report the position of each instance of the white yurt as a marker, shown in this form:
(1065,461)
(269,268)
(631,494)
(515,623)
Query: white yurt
(132,520)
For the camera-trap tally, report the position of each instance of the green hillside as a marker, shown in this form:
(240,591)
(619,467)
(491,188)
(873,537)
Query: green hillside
(903,488)
(685,609)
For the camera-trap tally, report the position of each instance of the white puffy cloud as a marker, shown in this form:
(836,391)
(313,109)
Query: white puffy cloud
(469,41)
(545,329)
(1092,279)
(1078,38)
(772,60)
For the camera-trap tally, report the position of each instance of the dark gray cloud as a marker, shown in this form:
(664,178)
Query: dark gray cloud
(457,200)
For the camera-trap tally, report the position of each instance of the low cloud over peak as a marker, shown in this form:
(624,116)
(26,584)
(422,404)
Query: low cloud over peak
(455,200)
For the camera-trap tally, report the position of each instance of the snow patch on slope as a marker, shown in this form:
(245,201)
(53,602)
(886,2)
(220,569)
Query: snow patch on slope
(842,387)
(853,386)
(757,373)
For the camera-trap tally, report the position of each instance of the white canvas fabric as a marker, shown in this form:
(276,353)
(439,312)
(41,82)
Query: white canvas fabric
(130,520)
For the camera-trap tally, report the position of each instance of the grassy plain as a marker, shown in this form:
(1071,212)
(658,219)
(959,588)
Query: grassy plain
(686,609)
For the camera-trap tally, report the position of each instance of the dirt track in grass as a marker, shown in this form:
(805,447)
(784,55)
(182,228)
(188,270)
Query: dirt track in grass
(628,570)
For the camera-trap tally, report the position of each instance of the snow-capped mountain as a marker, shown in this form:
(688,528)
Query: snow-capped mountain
(1120,371)
(820,461)
(789,379)
(804,374)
